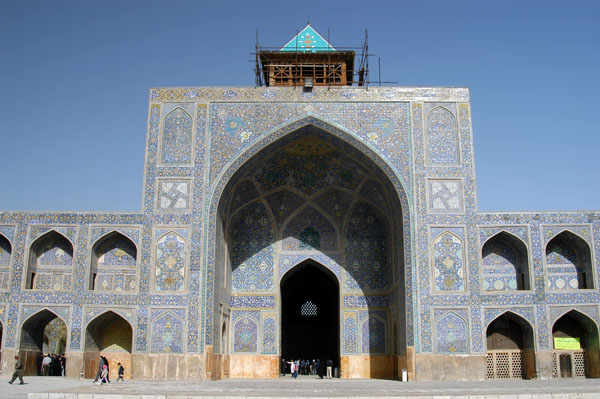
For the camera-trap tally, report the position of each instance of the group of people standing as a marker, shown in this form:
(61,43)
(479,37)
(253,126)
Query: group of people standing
(307,367)
(51,365)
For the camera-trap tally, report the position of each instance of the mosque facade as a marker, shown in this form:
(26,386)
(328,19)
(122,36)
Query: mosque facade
(291,222)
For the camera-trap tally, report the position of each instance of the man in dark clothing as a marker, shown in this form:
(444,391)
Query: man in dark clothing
(283,365)
(121,372)
(18,372)
(100,367)
(38,363)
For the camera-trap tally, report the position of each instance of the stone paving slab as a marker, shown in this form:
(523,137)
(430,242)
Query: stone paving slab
(304,387)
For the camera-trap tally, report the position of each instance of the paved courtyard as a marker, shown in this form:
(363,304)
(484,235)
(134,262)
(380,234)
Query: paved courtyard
(303,387)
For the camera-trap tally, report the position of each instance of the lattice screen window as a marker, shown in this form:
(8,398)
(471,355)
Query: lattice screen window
(518,365)
(308,309)
(505,364)
(489,362)
(580,363)
(502,365)
(554,366)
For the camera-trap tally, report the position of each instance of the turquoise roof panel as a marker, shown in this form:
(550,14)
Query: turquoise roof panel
(308,40)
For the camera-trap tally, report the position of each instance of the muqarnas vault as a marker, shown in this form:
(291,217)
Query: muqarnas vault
(312,216)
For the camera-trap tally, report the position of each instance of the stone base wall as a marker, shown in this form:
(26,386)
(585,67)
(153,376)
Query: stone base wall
(142,366)
(370,366)
(253,366)
(92,359)
(420,367)
(8,361)
(450,367)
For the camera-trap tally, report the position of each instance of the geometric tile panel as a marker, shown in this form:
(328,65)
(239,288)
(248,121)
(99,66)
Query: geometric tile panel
(173,195)
(445,196)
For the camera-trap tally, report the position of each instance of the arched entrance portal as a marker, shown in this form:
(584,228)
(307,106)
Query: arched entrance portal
(309,200)
(310,314)
(576,348)
(111,336)
(510,348)
(44,332)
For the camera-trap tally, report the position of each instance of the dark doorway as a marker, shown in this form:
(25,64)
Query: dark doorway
(310,314)
(565,365)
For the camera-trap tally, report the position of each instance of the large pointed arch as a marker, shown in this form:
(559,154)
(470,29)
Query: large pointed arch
(321,167)
(218,186)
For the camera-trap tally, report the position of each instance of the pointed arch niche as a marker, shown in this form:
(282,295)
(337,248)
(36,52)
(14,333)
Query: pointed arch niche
(312,194)
(5,255)
(43,331)
(50,265)
(111,336)
(113,264)
(576,346)
(505,263)
(177,137)
(442,138)
(569,263)
(510,348)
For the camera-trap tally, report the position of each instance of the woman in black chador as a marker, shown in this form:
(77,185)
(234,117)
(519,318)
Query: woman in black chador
(320,368)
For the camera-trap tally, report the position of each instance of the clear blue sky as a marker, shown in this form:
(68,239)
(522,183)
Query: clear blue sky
(75,76)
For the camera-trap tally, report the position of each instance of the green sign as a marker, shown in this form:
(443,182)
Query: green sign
(566,343)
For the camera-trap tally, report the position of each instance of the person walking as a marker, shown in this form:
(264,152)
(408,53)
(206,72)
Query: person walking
(121,372)
(18,371)
(100,368)
(107,368)
(104,375)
